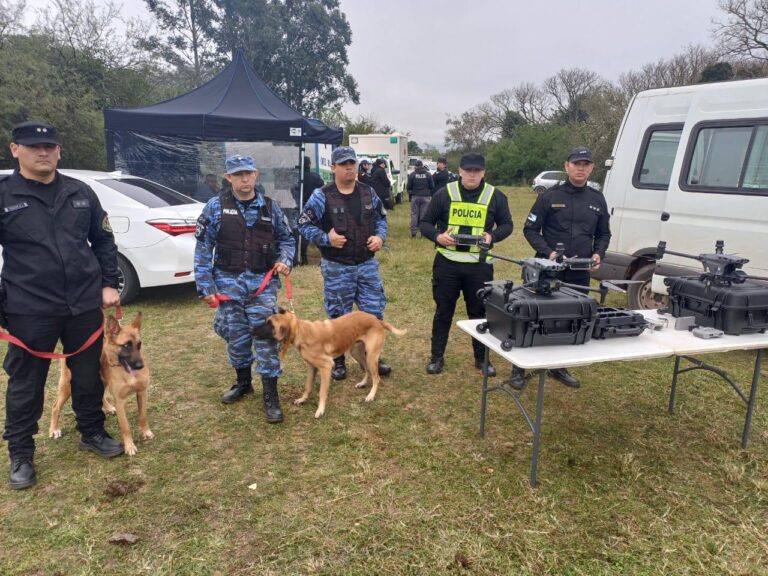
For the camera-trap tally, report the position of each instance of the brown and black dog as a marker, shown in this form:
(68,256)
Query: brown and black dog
(320,342)
(123,371)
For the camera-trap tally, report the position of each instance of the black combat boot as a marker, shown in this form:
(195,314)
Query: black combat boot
(271,400)
(384,368)
(517,380)
(339,371)
(436,365)
(242,387)
(22,474)
(564,377)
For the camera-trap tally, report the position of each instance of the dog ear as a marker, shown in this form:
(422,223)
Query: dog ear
(280,310)
(113,327)
(137,321)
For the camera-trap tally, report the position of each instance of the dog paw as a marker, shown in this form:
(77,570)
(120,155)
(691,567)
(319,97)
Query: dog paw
(110,411)
(319,413)
(131,449)
(56,433)
(299,401)
(362,384)
(148,435)
(370,397)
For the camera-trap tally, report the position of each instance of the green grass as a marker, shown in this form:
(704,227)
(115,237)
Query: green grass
(403,485)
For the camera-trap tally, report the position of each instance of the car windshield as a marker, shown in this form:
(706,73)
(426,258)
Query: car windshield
(150,194)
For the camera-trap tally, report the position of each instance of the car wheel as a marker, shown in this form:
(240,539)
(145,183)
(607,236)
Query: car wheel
(128,283)
(640,296)
(539,189)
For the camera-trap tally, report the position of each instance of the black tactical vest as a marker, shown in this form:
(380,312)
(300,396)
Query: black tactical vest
(240,248)
(336,216)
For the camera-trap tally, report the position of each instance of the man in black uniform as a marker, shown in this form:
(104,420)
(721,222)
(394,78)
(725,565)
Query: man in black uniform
(59,271)
(442,175)
(575,215)
(420,189)
(469,206)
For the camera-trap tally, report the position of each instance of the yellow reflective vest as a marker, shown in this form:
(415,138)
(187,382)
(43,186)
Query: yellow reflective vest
(466,215)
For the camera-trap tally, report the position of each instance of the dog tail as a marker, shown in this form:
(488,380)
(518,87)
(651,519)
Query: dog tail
(392,329)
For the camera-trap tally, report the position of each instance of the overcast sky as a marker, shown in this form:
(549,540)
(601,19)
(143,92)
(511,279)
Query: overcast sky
(416,61)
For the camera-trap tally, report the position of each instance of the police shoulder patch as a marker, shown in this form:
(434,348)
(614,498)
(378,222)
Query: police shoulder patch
(308,216)
(532,217)
(105,225)
(201,226)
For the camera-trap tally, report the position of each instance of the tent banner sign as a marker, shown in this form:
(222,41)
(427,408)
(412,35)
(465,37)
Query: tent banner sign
(295,131)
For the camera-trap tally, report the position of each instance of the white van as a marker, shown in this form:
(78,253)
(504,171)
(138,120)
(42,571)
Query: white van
(690,167)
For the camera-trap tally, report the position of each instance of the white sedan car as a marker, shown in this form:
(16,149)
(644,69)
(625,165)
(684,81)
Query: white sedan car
(154,229)
(545,181)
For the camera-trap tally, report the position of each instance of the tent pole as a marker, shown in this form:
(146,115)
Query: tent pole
(301,241)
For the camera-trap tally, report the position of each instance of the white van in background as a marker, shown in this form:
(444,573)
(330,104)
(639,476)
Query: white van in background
(690,167)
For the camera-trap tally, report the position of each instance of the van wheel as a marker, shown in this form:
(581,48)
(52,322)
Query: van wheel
(539,189)
(128,282)
(640,296)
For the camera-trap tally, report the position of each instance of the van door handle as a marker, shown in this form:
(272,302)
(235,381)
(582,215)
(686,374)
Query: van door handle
(664,216)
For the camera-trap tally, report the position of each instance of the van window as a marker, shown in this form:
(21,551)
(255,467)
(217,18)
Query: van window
(728,157)
(660,152)
(756,174)
(718,157)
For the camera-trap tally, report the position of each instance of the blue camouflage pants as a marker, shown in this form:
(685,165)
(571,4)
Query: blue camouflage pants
(348,284)
(234,321)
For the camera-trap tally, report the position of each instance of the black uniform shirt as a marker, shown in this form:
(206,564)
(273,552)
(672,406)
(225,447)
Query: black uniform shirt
(435,220)
(57,255)
(576,216)
(420,183)
(441,178)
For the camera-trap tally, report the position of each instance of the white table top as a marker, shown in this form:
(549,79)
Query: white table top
(649,344)
(683,342)
(640,347)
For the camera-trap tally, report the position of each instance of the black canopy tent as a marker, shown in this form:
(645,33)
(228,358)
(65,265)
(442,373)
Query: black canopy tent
(163,141)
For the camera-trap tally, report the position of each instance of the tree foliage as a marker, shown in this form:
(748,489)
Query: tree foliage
(744,30)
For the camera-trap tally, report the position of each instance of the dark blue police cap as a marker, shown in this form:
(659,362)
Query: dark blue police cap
(343,154)
(472,160)
(582,153)
(30,133)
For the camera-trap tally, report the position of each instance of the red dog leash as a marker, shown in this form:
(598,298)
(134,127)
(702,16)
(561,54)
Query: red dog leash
(53,355)
(263,286)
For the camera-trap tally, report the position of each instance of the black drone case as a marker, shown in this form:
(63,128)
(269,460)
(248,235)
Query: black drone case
(521,318)
(612,322)
(735,309)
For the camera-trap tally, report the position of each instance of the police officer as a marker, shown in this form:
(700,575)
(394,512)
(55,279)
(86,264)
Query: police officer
(59,270)
(576,215)
(363,174)
(442,175)
(348,221)
(241,236)
(469,206)
(420,188)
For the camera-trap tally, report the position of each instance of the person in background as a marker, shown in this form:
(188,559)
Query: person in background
(312,181)
(420,189)
(208,189)
(381,183)
(363,174)
(442,175)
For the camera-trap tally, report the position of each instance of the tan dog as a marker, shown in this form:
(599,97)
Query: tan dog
(320,342)
(123,372)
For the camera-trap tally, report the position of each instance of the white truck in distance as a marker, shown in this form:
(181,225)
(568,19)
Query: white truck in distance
(392,146)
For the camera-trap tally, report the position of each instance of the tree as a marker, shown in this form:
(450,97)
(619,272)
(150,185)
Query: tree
(535,147)
(471,130)
(11,18)
(744,31)
(680,70)
(717,72)
(414,149)
(298,47)
(567,88)
(186,45)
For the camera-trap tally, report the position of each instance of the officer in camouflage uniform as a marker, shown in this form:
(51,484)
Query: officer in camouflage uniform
(348,222)
(241,235)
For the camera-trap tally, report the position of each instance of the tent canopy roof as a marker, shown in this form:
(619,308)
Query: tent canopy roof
(234,105)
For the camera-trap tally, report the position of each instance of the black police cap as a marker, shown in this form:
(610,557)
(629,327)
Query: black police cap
(472,160)
(30,133)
